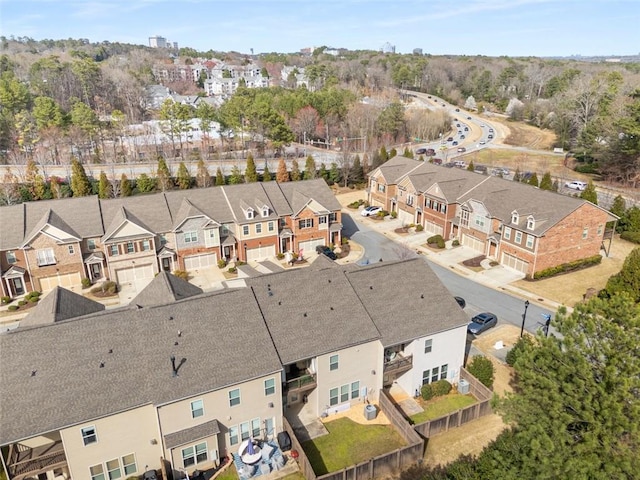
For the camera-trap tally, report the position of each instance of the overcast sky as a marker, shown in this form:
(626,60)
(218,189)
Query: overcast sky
(463,27)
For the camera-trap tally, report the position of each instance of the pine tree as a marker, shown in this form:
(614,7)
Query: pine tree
(547,182)
(125,186)
(80,185)
(619,206)
(266,176)
(295,171)
(220,180)
(408,153)
(146,184)
(250,174)
(281,174)
(183,179)
(589,194)
(203,178)
(334,174)
(323,172)
(393,153)
(236,176)
(31,173)
(356,174)
(105,190)
(471,167)
(533,180)
(163,175)
(310,168)
(384,156)
(39,188)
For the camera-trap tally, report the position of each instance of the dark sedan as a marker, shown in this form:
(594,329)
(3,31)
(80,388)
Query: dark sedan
(321,250)
(482,322)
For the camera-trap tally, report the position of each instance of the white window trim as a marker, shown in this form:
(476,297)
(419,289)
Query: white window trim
(258,228)
(232,399)
(245,230)
(194,410)
(507,233)
(531,223)
(334,365)
(266,388)
(11,257)
(190,236)
(518,237)
(428,345)
(530,241)
(85,437)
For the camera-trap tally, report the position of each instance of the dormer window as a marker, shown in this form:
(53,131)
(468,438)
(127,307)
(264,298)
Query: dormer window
(249,213)
(515,217)
(265,212)
(531,223)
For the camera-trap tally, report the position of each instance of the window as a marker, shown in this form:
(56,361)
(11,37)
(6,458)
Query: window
(479,221)
(113,469)
(197,408)
(89,435)
(435,374)
(443,371)
(427,203)
(585,233)
(250,214)
(244,431)
(258,228)
(269,387)
(146,245)
(443,208)
(265,212)
(425,377)
(333,217)
(599,230)
(344,393)
(97,472)
(113,250)
(71,249)
(531,223)
(195,454)
(333,396)
(381,188)
(428,344)
(333,362)
(322,220)
(45,257)
(270,226)
(436,206)
(255,427)
(11,257)
(409,199)
(530,241)
(305,223)
(163,240)
(129,464)
(245,230)
(190,237)
(91,244)
(233,435)
(130,248)
(518,238)
(507,233)
(464,218)
(514,217)
(355,390)
(234,397)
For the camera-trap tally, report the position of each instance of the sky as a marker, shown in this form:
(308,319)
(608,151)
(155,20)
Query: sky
(439,27)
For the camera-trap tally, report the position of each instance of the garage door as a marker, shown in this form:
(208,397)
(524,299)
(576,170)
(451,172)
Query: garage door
(405,217)
(310,245)
(67,280)
(471,242)
(196,262)
(433,229)
(515,263)
(134,274)
(261,253)
(377,203)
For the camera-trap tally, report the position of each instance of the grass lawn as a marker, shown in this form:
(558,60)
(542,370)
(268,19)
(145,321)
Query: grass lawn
(229,474)
(349,443)
(440,406)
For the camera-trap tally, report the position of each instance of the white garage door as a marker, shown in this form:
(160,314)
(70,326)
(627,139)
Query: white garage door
(195,262)
(471,242)
(310,245)
(377,203)
(433,229)
(133,274)
(67,280)
(261,253)
(405,217)
(515,263)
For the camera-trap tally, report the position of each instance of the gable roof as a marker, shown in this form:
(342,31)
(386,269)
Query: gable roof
(60,304)
(164,288)
(395,168)
(52,219)
(298,194)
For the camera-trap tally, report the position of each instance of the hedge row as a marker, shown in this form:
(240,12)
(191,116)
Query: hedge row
(435,389)
(437,240)
(568,267)
(631,236)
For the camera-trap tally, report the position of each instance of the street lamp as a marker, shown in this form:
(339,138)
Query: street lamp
(524,316)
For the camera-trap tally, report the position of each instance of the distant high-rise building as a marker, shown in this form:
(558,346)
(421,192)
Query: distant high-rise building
(175,45)
(388,48)
(157,42)
(417,51)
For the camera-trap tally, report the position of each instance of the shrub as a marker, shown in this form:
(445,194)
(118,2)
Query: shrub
(345,240)
(280,256)
(441,387)
(427,392)
(568,267)
(394,214)
(31,295)
(22,302)
(5,300)
(455,242)
(382,214)
(482,368)
(181,274)
(436,240)
(518,349)
(631,236)
(106,287)
(232,270)
(86,283)
(34,299)
(244,263)
(12,308)
(222,263)
(419,228)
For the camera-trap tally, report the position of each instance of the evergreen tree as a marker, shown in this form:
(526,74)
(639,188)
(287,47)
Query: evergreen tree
(356,174)
(203,178)
(546,183)
(105,190)
(80,185)
(295,171)
(236,176)
(589,194)
(334,174)
(163,175)
(145,183)
(310,168)
(627,279)
(125,186)
(183,179)
(408,153)
(619,206)
(393,153)
(517,176)
(220,180)
(39,188)
(533,180)
(556,186)
(323,172)
(376,161)
(251,174)
(384,156)
(471,167)
(281,174)
(31,172)
(266,176)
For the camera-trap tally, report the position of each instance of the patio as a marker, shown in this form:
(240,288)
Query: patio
(267,461)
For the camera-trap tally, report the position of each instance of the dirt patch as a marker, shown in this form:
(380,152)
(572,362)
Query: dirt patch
(473,262)
(402,231)
(503,374)
(525,135)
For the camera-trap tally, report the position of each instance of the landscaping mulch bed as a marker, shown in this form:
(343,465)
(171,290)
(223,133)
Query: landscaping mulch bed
(473,262)
(402,231)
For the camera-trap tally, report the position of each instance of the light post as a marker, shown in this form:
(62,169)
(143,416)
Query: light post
(524,316)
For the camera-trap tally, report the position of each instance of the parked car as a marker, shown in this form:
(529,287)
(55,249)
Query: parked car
(437,161)
(430,152)
(461,302)
(468,118)
(450,139)
(457,109)
(466,129)
(482,142)
(459,164)
(455,142)
(461,149)
(421,151)
(370,211)
(324,250)
(481,322)
(575,185)
(462,137)
(490,136)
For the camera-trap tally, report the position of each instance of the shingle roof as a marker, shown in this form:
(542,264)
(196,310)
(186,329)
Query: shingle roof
(299,193)
(210,201)
(165,288)
(250,194)
(60,304)
(13,236)
(395,168)
(219,331)
(192,434)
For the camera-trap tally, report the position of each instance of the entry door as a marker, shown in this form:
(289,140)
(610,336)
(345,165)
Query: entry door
(18,286)
(166,264)
(96,271)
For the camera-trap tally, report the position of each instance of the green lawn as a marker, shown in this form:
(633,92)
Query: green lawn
(229,474)
(440,406)
(349,443)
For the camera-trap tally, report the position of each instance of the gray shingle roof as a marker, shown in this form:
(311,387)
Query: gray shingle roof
(165,288)
(248,195)
(60,304)
(210,201)
(192,434)
(81,214)
(12,219)
(219,331)
(299,193)
(395,168)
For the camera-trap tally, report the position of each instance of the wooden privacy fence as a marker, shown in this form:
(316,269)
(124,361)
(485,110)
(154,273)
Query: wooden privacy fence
(464,415)
(303,461)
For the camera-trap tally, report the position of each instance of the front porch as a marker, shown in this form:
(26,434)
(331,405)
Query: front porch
(24,461)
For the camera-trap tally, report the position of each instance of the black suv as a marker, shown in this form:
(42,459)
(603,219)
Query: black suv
(323,250)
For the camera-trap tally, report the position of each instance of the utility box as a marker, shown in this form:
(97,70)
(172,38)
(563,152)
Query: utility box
(463,387)
(370,412)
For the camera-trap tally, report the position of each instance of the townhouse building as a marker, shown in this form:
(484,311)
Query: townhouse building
(520,226)
(129,240)
(180,378)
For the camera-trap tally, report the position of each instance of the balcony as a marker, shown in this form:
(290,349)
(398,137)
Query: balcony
(302,383)
(398,365)
(26,462)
